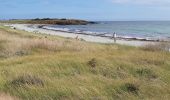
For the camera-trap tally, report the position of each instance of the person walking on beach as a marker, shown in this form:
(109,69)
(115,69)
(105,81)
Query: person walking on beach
(114,37)
(77,37)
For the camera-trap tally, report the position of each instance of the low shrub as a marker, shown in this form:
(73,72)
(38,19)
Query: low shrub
(27,80)
(92,63)
(131,88)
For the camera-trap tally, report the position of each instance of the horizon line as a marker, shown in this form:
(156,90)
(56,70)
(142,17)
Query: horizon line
(2,19)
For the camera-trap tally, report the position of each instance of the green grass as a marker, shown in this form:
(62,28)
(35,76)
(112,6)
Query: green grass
(43,67)
(48,21)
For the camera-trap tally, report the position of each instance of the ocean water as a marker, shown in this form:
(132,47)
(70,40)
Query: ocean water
(151,30)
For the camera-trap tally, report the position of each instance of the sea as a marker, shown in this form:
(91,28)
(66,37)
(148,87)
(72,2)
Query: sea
(148,30)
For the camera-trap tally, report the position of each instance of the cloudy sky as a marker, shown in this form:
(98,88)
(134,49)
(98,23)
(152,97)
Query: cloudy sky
(86,9)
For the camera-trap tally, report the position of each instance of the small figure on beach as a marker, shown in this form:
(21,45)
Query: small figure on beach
(114,37)
(77,37)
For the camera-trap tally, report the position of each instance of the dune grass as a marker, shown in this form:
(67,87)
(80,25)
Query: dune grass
(43,67)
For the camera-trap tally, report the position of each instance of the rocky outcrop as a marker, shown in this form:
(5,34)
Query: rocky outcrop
(59,21)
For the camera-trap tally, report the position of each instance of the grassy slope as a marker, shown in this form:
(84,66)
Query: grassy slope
(43,67)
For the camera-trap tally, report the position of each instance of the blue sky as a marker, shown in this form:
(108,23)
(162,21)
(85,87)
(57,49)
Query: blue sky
(86,9)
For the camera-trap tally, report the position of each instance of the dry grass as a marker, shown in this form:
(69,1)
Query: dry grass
(38,67)
(15,45)
(158,47)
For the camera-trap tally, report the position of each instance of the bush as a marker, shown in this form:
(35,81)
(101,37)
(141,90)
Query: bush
(27,80)
(92,63)
(131,88)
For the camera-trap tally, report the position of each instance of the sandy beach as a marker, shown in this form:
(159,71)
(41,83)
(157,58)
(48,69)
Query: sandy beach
(88,38)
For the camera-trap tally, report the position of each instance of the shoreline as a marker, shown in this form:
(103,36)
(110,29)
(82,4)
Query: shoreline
(106,35)
(81,36)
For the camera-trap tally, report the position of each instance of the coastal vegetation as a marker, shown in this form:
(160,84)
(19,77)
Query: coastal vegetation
(45,67)
(62,21)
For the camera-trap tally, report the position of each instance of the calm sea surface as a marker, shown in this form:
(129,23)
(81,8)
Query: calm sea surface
(134,29)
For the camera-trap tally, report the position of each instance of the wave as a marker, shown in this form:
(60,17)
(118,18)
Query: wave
(55,29)
(105,34)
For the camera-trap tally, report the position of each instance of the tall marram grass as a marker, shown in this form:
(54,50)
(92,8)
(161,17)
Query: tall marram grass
(43,67)
(162,46)
(15,45)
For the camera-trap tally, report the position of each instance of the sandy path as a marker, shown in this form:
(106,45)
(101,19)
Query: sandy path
(4,96)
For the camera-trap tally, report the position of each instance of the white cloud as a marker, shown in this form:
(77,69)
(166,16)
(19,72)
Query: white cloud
(143,2)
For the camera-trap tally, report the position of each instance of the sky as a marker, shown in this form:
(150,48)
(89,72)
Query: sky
(115,10)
